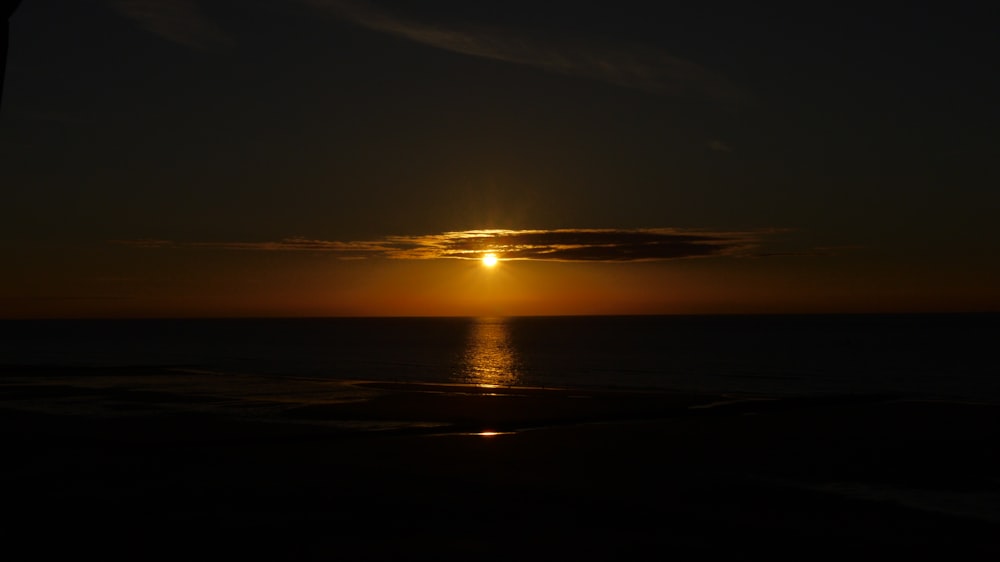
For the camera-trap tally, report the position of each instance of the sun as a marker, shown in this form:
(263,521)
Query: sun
(490,260)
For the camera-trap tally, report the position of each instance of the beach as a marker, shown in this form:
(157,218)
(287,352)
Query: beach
(161,464)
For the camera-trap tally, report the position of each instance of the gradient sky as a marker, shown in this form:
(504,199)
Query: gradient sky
(327,157)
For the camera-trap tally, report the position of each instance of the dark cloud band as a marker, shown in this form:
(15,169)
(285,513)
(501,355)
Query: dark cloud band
(591,245)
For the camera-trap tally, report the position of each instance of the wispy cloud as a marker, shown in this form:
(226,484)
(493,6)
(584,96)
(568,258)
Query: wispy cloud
(646,69)
(719,146)
(643,68)
(601,245)
(178,21)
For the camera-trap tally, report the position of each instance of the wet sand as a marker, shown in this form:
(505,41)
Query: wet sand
(150,465)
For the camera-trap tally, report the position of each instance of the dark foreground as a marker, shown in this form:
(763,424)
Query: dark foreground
(144,466)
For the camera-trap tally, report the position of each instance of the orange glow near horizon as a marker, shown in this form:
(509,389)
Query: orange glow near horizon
(245,284)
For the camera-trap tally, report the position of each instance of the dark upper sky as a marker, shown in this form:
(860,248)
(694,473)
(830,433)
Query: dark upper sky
(859,137)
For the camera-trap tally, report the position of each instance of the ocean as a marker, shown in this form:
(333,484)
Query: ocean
(917,356)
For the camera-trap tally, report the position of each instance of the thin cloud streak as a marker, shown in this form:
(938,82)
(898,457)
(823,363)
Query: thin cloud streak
(178,21)
(719,146)
(638,68)
(567,245)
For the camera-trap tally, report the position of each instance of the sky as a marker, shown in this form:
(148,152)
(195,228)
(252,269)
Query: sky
(205,158)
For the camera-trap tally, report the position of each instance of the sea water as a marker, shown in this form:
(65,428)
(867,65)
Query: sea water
(939,356)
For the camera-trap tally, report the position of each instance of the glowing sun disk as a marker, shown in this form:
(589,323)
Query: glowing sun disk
(490,260)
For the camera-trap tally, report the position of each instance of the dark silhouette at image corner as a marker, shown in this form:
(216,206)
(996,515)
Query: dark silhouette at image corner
(9,7)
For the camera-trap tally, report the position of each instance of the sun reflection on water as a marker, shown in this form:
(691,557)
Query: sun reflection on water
(490,359)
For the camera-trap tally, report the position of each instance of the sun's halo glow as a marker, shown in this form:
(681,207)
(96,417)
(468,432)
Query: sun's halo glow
(490,260)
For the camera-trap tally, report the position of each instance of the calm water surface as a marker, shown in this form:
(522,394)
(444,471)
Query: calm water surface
(933,356)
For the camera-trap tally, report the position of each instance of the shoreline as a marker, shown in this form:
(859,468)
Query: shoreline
(268,473)
(152,391)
